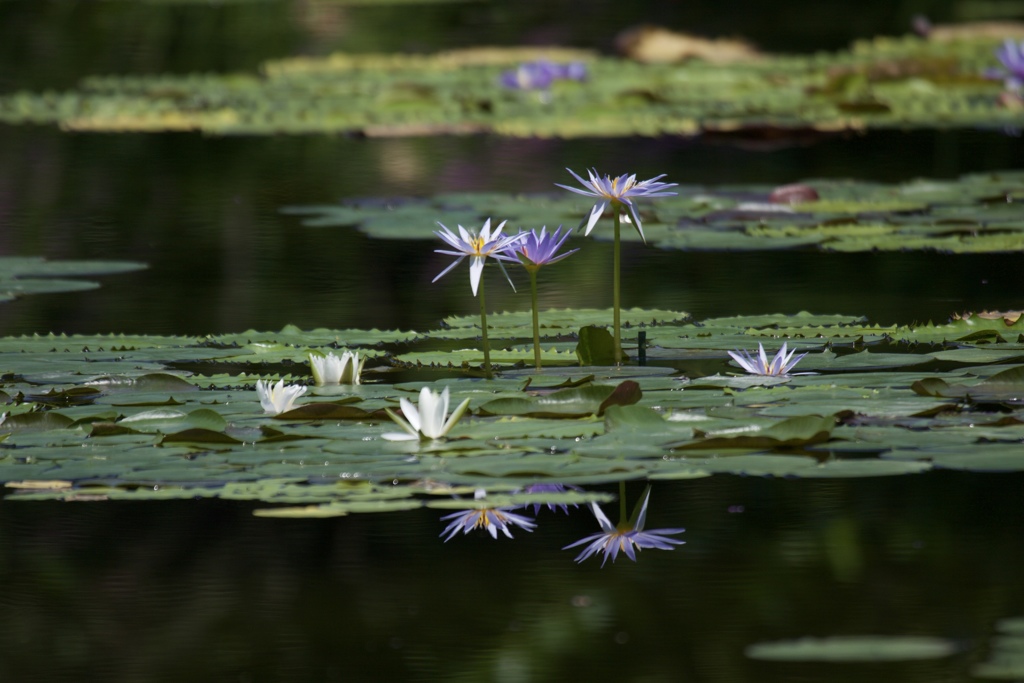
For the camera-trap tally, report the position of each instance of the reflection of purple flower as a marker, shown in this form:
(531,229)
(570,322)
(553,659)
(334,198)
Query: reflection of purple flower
(492,519)
(620,193)
(550,488)
(483,517)
(627,537)
(541,74)
(535,250)
(1011,55)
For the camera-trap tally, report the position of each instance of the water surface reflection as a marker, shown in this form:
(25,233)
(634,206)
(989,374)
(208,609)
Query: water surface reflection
(201,590)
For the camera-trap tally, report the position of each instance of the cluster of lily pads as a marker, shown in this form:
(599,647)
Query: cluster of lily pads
(151,417)
(531,92)
(976,213)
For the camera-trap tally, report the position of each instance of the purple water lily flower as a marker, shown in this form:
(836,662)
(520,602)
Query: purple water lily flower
(534,250)
(541,74)
(618,192)
(478,246)
(627,537)
(1011,55)
(550,488)
(779,366)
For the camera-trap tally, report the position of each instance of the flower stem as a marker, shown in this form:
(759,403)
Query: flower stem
(616,262)
(483,329)
(536,319)
(622,502)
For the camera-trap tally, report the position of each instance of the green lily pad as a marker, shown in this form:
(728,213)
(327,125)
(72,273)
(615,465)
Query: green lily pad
(850,649)
(24,275)
(592,399)
(794,431)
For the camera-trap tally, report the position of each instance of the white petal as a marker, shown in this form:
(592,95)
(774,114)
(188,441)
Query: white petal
(263,392)
(779,361)
(445,400)
(410,432)
(450,237)
(635,216)
(602,520)
(430,404)
(445,271)
(396,436)
(505,273)
(590,172)
(744,360)
(455,416)
(585,193)
(288,396)
(476,271)
(642,517)
(316,364)
(356,379)
(411,413)
(595,213)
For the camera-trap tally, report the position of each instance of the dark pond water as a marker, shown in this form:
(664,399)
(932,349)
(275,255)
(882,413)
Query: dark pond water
(202,590)
(204,213)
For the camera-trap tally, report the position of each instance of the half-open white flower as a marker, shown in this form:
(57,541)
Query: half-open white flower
(428,421)
(331,369)
(278,398)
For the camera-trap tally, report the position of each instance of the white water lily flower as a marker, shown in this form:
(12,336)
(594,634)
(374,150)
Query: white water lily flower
(428,421)
(779,366)
(331,369)
(278,398)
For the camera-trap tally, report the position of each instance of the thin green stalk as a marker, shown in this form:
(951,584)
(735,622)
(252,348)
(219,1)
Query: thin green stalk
(622,503)
(616,333)
(536,319)
(483,329)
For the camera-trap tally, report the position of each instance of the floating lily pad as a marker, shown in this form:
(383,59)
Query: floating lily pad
(403,94)
(23,275)
(592,399)
(850,217)
(143,425)
(869,467)
(850,649)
